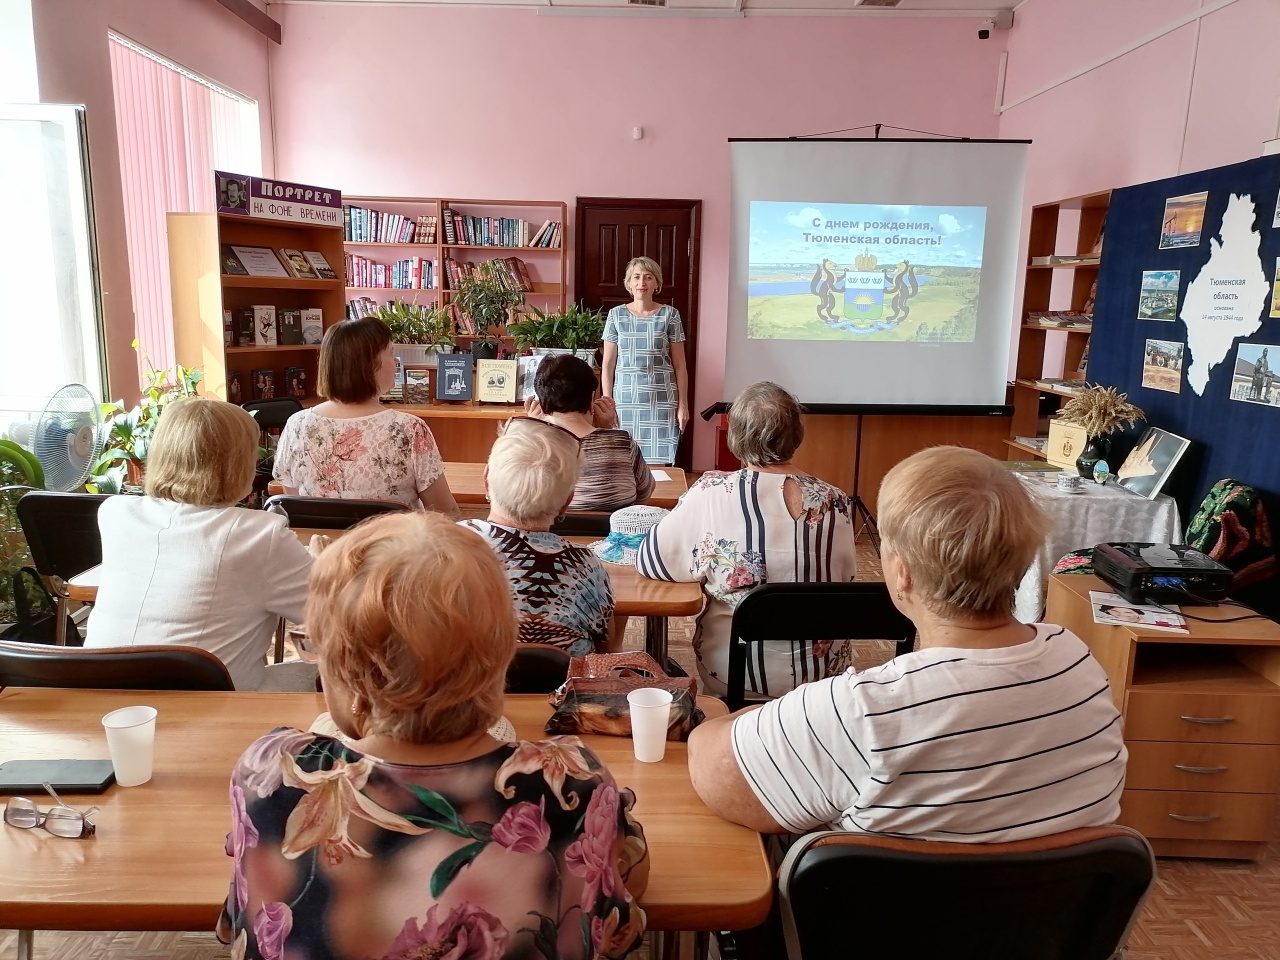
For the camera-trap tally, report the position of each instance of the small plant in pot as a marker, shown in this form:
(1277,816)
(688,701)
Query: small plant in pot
(577,330)
(583,330)
(417,331)
(487,300)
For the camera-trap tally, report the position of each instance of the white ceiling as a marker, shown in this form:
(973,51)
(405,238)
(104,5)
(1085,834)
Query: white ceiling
(865,8)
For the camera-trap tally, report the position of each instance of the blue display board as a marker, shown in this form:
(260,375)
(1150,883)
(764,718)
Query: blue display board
(1237,438)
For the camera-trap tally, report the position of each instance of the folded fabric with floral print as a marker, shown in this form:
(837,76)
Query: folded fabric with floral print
(594,697)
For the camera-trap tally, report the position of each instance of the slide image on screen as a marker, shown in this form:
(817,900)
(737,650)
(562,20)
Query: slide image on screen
(864,272)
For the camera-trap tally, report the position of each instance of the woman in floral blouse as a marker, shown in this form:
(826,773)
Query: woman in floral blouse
(417,834)
(763,523)
(351,446)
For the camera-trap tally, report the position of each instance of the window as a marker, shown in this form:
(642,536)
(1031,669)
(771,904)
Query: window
(174,129)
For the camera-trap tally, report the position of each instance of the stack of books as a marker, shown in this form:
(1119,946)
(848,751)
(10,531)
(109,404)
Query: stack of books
(1060,318)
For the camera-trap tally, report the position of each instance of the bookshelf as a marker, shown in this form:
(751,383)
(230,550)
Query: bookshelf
(547,266)
(1076,222)
(201,292)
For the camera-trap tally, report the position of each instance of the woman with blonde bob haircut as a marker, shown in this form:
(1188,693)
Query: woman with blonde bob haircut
(561,590)
(417,833)
(990,730)
(185,565)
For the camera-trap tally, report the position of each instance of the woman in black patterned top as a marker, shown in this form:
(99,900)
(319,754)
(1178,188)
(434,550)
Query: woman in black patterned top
(614,473)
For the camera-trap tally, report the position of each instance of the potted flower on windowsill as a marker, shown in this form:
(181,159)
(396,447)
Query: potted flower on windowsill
(418,332)
(1101,411)
(129,432)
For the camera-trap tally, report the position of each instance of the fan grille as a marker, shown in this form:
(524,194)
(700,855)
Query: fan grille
(68,437)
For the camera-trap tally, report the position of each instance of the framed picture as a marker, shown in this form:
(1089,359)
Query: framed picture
(1149,463)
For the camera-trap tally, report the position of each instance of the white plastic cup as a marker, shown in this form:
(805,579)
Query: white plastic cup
(131,738)
(650,715)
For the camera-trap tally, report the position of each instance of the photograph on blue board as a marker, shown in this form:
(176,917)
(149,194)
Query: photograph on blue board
(1158,298)
(1256,378)
(1162,365)
(1183,221)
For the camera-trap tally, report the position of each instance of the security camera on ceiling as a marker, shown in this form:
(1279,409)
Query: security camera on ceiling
(1003,20)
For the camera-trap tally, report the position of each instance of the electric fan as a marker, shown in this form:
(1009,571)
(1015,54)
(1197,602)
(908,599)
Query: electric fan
(66,439)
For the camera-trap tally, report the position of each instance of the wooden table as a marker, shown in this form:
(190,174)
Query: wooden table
(157,862)
(1201,721)
(635,596)
(466,481)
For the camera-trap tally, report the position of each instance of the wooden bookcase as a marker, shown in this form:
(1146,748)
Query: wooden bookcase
(547,265)
(201,292)
(1046,284)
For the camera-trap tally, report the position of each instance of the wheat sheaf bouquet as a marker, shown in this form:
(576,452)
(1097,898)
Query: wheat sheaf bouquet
(1101,410)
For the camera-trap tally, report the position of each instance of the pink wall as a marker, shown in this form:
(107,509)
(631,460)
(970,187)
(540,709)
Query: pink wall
(542,107)
(75,67)
(1199,96)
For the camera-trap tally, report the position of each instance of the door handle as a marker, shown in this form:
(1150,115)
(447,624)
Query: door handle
(1189,769)
(1186,819)
(1214,720)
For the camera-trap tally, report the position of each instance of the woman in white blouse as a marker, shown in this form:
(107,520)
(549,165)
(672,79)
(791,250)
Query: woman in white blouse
(186,565)
(763,523)
(351,446)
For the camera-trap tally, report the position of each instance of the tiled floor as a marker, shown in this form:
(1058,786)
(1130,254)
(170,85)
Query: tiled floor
(1200,909)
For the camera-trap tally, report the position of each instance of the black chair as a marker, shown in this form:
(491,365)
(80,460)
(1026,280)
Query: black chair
(537,668)
(809,613)
(160,667)
(328,513)
(271,416)
(1067,896)
(582,523)
(62,532)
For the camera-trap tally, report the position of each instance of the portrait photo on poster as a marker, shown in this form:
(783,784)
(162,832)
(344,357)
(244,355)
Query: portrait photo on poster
(233,194)
(1149,464)
(1255,379)
(1162,365)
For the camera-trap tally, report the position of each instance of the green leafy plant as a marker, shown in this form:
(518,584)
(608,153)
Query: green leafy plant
(576,328)
(538,329)
(583,327)
(129,432)
(414,323)
(14,552)
(485,297)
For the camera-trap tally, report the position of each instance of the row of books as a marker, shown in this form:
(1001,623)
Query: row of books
(512,272)
(265,325)
(361,307)
(365,225)
(411,273)
(460,229)
(262,385)
(246,261)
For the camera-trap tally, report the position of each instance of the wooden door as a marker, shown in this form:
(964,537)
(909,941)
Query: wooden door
(610,232)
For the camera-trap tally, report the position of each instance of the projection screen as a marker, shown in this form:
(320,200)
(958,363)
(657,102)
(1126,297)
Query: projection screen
(874,272)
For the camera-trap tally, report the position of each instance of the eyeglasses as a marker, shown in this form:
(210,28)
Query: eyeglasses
(546,423)
(61,821)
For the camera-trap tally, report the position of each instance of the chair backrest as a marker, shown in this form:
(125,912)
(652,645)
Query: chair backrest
(582,523)
(1067,896)
(537,668)
(161,667)
(809,613)
(328,513)
(273,413)
(62,531)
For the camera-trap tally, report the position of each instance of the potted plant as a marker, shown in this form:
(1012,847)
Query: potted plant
(539,332)
(1101,411)
(129,432)
(418,332)
(583,331)
(486,298)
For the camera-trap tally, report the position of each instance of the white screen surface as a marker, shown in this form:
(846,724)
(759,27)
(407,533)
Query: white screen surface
(874,272)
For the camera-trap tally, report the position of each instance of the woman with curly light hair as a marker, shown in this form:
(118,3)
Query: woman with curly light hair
(416,832)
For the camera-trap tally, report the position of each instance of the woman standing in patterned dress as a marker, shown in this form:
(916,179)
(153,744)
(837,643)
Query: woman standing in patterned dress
(644,365)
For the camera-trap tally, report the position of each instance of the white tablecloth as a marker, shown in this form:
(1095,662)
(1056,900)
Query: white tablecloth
(1101,514)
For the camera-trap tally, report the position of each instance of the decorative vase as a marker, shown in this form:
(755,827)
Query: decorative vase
(1095,449)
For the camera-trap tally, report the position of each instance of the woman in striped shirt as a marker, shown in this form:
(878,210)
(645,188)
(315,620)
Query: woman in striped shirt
(764,523)
(614,473)
(990,730)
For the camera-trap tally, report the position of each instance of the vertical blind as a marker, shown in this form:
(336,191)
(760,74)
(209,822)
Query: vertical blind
(174,129)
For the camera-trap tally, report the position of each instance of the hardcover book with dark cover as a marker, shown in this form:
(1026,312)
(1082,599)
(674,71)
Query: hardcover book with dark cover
(454,377)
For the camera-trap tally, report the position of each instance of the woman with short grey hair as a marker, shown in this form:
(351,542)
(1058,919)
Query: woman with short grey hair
(764,523)
(562,593)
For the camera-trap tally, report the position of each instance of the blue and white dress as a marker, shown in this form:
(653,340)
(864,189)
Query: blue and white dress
(644,382)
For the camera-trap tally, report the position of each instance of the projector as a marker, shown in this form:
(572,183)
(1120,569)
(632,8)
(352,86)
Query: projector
(1161,572)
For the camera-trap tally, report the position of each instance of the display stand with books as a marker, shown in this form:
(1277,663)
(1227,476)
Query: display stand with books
(256,332)
(1064,280)
(417,249)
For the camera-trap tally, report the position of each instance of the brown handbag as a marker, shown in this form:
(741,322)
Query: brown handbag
(593,699)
